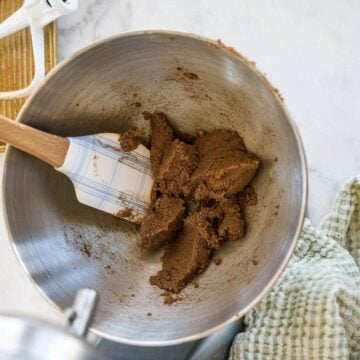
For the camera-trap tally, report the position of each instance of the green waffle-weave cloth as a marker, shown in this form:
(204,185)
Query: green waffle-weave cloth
(313,312)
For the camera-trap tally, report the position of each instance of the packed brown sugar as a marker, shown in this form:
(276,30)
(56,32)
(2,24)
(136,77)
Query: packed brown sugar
(201,186)
(131,139)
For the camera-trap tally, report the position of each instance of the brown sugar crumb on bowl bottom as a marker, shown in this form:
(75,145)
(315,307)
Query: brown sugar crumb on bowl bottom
(86,249)
(170,298)
(201,186)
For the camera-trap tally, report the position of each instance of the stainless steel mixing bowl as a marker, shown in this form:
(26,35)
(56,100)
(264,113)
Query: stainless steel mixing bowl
(64,245)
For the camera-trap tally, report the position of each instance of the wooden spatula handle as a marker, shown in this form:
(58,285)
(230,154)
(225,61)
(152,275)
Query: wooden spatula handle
(50,148)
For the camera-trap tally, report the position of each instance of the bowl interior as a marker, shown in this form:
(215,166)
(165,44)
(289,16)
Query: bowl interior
(65,246)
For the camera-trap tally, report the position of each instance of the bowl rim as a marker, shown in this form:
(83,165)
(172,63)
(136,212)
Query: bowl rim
(303,166)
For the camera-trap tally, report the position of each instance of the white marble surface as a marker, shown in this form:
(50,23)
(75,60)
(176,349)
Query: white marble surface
(310,50)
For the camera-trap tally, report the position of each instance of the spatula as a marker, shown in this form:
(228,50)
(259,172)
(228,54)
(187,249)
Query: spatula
(104,176)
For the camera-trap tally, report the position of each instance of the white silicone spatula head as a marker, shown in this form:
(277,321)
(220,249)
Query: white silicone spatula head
(104,176)
(107,178)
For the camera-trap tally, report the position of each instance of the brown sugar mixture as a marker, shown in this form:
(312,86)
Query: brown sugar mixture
(183,258)
(161,223)
(176,168)
(199,193)
(225,167)
(131,139)
(162,136)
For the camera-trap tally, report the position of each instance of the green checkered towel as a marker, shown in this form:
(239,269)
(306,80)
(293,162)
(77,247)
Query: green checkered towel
(313,312)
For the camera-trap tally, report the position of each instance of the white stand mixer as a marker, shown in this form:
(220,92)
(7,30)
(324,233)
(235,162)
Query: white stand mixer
(36,14)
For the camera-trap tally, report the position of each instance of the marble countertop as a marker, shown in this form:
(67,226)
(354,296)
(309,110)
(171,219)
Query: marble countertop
(309,50)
